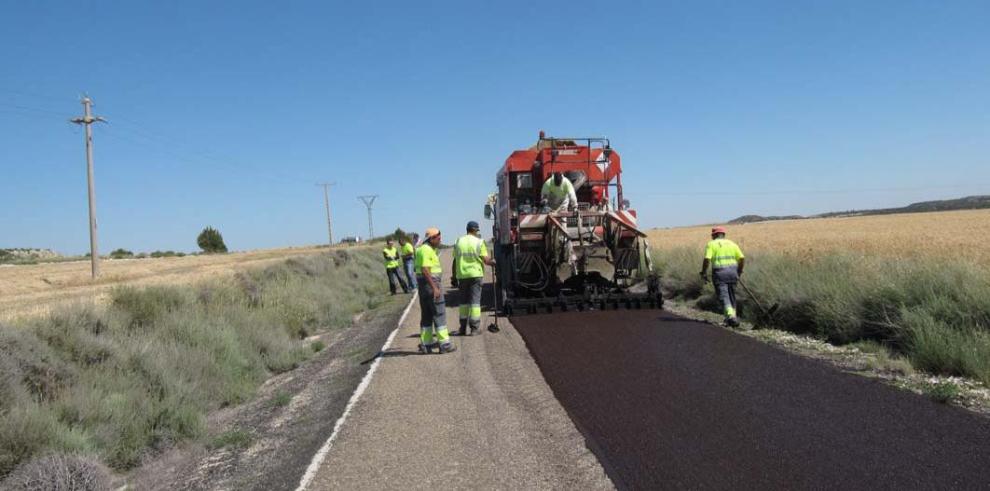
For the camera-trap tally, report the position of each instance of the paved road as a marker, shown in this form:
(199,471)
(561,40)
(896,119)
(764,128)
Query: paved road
(666,402)
(479,418)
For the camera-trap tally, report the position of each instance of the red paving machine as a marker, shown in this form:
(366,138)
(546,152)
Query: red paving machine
(591,257)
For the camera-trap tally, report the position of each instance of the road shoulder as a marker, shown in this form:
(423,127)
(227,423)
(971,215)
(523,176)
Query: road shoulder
(481,417)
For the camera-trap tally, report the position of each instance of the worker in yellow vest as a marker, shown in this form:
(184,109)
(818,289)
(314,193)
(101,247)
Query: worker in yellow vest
(727,262)
(470,258)
(433,331)
(409,259)
(391,256)
(558,193)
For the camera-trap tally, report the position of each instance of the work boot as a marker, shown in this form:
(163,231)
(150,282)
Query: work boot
(474,330)
(462,331)
(426,349)
(447,348)
(732,322)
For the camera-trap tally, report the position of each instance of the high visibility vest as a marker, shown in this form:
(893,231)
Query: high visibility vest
(723,253)
(391,257)
(469,251)
(426,257)
(408,249)
(558,192)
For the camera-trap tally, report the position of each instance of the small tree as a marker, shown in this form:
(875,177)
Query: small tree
(121,254)
(398,235)
(210,241)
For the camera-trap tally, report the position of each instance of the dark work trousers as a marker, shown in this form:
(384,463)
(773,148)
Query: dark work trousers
(433,314)
(394,275)
(469,290)
(727,295)
(408,264)
(724,280)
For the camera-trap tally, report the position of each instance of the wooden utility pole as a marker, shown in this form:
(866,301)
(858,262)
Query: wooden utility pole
(88,119)
(326,201)
(369,200)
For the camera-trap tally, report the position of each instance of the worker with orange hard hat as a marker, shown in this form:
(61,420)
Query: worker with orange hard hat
(433,332)
(727,262)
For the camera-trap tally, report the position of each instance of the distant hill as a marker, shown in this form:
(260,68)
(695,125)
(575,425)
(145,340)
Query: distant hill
(967,203)
(758,218)
(26,254)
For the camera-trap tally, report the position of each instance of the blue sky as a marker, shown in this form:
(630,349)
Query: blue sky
(228,113)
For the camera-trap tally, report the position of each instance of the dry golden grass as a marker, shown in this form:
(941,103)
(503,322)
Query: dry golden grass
(954,235)
(34,289)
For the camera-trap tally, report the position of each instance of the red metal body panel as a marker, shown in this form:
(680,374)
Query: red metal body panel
(600,170)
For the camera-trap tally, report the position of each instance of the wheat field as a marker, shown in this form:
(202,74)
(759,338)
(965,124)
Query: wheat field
(35,289)
(953,235)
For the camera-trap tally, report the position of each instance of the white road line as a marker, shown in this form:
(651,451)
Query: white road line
(317,461)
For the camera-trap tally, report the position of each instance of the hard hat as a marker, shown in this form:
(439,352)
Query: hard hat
(718,230)
(431,232)
(472,226)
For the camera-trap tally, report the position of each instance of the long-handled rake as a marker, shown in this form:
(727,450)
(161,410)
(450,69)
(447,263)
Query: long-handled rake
(493,327)
(767,314)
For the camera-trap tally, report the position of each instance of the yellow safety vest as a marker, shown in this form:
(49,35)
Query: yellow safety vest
(408,249)
(391,257)
(723,253)
(426,257)
(558,192)
(469,251)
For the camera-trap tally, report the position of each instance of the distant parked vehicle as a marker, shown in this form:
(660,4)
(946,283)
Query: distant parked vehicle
(351,240)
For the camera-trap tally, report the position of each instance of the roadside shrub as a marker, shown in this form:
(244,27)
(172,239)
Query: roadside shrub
(167,254)
(59,472)
(942,391)
(146,305)
(121,254)
(142,373)
(935,312)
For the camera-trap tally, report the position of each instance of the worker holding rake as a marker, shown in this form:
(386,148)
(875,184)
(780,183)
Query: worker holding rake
(727,262)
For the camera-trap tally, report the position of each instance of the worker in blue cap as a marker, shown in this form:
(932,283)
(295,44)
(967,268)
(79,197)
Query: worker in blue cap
(470,258)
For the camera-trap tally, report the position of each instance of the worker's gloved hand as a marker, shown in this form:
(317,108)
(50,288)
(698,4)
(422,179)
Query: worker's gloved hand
(436,295)
(704,276)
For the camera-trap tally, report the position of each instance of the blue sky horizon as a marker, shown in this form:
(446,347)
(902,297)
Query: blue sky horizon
(227,114)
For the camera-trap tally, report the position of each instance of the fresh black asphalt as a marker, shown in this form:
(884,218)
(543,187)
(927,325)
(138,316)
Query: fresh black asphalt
(666,402)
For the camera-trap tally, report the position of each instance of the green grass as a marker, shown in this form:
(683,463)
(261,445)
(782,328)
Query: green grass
(232,439)
(935,313)
(143,372)
(943,392)
(317,346)
(281,399)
